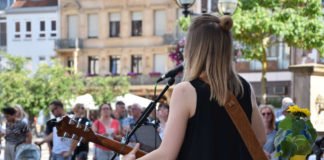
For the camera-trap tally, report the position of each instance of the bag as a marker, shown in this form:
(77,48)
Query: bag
(242,124)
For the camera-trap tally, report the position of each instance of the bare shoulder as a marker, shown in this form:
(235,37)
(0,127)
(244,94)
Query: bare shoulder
(184,88)
(184,96)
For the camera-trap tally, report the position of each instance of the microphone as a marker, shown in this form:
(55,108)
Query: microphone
(172,73)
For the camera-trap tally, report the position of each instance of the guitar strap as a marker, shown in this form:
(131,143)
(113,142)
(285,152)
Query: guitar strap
(243,126)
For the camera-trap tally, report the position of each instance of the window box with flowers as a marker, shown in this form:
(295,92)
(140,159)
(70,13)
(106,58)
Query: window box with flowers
(155,74)
(132,74)
(296,135)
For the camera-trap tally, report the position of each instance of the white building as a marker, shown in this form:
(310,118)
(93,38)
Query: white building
(32,27)
(4,4)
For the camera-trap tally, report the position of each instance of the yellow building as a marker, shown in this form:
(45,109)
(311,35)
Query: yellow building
(118,37)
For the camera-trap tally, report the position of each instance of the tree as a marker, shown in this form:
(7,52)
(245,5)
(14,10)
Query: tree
(261,24)
(52,82)
(13,79)
(105,89)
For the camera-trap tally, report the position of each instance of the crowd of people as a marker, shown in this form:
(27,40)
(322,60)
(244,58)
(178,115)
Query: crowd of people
(113,124)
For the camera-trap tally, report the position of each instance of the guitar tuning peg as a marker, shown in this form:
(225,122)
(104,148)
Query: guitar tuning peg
(79,123)
(66,135)
(71,121)
(86,126)
(79,143)
(74,136)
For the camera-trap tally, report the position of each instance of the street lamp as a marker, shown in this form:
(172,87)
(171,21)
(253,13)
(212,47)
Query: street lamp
(225,7)
(185,4)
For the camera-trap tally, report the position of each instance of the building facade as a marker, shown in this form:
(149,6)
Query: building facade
(111,38)
(4,4)
(32,28)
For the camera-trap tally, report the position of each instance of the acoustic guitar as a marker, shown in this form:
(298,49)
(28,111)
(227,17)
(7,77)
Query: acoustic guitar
(68,127)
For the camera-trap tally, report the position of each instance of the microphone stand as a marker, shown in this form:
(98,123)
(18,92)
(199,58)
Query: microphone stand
(146,113)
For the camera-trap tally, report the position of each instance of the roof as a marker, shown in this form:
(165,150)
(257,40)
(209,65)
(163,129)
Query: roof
(34,3)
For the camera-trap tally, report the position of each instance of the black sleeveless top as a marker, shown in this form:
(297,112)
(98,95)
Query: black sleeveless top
(211,134)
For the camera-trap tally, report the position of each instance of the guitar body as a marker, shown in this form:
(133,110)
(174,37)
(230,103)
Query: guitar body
(69,128)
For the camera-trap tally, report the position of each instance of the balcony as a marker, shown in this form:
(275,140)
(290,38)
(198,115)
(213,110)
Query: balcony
(68,43)
(169,39)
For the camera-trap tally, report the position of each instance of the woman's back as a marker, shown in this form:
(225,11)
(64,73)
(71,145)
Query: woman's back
(210,132)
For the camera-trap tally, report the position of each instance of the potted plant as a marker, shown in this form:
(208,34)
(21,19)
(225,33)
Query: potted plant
(296,135)
(155,74)
(132,74)
(176,53)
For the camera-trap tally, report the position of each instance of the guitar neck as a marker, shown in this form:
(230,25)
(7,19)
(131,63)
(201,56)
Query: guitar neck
(115,145)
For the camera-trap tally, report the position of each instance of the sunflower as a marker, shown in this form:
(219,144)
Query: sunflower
(297,111)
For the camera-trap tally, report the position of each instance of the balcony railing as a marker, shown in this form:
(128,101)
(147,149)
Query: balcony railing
(68,43)
(168,39)
(149,80)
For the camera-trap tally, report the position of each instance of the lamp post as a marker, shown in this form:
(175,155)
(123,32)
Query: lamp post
(185,4)
(225,7)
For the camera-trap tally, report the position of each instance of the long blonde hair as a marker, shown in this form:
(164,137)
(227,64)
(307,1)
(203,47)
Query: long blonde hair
(208,50)
(273,117)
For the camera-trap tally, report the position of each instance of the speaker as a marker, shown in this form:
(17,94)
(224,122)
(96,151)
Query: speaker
(147,136)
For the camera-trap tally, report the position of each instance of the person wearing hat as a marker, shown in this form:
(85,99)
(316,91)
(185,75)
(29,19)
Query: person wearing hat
(285,103)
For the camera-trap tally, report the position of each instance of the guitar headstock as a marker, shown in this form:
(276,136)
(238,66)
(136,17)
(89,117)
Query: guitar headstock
(68,127)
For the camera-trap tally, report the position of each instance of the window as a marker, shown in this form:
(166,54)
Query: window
(28,26)
(93,26)
(160,61)
(136,24)
(3,34)
(93,65)
(159,23)
(42,29)
(53,29)
(17,26)
(136,64)
(42,60)
(29,63)
(273,50)
(42,26)
(28,29)
(114,65)
(53,25)
(17,30)
(114,24)
(73,26)
(70,63)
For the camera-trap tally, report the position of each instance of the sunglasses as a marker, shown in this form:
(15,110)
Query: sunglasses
(266,113)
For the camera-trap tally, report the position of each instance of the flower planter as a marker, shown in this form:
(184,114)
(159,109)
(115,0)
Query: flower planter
(155,74)
(298,157)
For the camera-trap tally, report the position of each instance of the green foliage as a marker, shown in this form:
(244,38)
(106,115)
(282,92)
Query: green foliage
(35,91)
(297,22)
(52,83)
(184,23)
(12,81)
(105,89)
(295,136)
